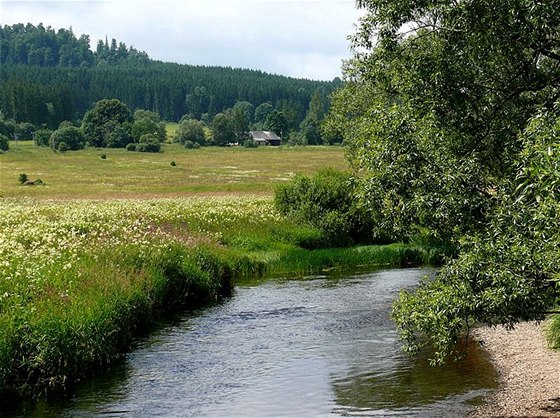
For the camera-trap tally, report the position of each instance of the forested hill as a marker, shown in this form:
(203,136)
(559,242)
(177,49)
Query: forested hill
(48,76)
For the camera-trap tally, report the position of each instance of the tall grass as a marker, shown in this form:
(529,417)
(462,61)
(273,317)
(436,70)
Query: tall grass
(553,332)
(79,280)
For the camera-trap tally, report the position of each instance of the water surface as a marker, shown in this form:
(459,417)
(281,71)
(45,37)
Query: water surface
(314,347)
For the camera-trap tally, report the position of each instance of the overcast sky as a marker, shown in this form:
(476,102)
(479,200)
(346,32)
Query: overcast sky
(299,38)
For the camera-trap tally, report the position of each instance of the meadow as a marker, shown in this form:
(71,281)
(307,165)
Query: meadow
(87,266)
(84,174)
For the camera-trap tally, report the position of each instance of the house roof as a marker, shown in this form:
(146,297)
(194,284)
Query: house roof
(264,135)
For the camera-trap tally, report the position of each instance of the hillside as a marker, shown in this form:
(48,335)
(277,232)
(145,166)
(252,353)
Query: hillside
(49,76)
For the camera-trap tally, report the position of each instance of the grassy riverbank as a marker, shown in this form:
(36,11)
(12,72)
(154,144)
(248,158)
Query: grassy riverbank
(80,279)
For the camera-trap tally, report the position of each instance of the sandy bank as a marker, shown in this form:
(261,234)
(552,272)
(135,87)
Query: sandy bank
(529,373)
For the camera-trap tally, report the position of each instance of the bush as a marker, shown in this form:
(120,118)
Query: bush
(328,201)
(196,145)
(103,156)
(189,144)
(42,137)
(23,178)
(249,143)
(148,143)
(173,163)
(70,136)
(191,130)
(131,147)
(24,131)
(4,143)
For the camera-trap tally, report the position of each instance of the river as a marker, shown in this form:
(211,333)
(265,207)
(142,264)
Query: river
(322,346)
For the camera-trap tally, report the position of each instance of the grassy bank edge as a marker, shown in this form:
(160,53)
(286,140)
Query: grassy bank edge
(61,341)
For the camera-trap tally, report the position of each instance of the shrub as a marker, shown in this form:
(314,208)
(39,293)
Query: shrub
(4,143)
(328,201)
(173,163)
(191,130)
(131,147)
(24,131)
(189,144)
(7,127)
(148,125)
(148,143)
(70,136)
(42,137)
(103,156)
(249,143)
(196,145)
(23,178)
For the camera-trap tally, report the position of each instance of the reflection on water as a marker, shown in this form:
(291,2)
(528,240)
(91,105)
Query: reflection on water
(323,346)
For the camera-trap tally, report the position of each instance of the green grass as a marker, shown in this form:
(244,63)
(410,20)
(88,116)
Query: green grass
(106,246)
(125,174)
(80,279)
(553,332)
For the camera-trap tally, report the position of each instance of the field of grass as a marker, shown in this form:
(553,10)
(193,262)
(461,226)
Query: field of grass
(125,174)
(106,246)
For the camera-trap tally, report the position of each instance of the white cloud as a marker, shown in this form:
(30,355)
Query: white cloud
(295,38)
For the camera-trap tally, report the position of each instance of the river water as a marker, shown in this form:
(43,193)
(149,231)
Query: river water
(316,347)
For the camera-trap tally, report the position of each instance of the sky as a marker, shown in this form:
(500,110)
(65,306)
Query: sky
(296,38)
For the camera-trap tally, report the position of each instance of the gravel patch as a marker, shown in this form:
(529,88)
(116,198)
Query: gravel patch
(529,373)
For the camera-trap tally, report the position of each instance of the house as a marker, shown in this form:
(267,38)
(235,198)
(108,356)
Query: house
(265,138)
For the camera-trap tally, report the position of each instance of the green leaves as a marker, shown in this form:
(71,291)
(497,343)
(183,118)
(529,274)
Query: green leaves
(448,113)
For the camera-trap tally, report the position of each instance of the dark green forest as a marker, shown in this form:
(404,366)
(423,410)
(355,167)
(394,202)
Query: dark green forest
(48,76)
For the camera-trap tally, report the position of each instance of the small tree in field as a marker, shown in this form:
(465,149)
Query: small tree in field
(72,138)
(4,143)
(101,122)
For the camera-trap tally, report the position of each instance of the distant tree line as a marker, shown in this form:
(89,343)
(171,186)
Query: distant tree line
(48,77)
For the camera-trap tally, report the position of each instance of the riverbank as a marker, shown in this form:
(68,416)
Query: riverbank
(80,280)
(529,373)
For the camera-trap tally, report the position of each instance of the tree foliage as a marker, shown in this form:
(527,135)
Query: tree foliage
(191,130)
(147,125)
(57,89)
(4,142)
(72,138)
(222,130)
(108,124)
(327,201)
(436,95)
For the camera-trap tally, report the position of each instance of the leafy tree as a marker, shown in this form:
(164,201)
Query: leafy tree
(25,131)
(192,131)
(147,125)
(4,143)
(148,143)
(222,130)
(7,127)
(42,137)
(143,113)
(436,95)
(72,138)
(311,131)
(506,272)
(239,116)
(108,123)
(246,109)
(118,135)
(262,111)
(197,102)
(277,123)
